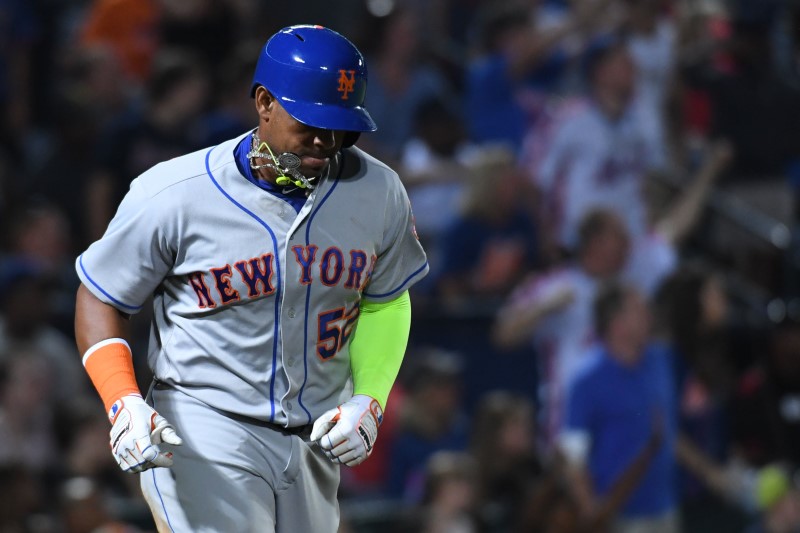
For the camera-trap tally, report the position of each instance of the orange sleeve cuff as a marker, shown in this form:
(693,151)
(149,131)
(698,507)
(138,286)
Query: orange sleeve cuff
(109,364)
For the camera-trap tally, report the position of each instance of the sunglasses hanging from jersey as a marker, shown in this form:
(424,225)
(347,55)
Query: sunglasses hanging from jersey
(286,165)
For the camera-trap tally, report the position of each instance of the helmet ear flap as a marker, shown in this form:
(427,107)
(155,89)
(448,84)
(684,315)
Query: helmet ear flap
(350,138)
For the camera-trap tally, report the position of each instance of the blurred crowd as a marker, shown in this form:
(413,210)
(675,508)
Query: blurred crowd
(609,339)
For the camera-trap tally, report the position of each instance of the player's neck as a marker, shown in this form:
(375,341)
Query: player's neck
(264,173)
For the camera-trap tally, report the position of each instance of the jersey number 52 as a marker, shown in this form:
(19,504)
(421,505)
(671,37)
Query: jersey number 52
(335,327)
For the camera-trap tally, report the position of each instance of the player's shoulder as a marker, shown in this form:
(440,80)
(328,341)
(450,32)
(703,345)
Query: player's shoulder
(168,174)
(184,170)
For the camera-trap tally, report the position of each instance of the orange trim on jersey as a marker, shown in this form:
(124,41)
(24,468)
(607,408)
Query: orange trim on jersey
(222,281)
(306,262)
(264,277)
(110,367)
(356,269)
(371,270)
(338,270)
(198,282)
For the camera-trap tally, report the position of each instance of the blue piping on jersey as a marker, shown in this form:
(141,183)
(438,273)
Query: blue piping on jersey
(158,491)
(398,289)
(161,499)
(99,288)
(275,336)
(308,293)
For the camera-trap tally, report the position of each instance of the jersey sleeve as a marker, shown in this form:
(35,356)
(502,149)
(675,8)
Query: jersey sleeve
(401,261)
(131,259)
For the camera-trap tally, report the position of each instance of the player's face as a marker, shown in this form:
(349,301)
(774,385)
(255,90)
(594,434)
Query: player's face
(315,146)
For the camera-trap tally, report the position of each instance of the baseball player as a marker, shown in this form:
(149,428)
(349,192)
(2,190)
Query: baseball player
(279,263)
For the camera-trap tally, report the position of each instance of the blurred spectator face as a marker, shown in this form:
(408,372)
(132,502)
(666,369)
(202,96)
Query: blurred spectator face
(104,78)
(714,303)
(435,385)
(451,482)
(505,27)
(616,74)
(616,244)
(178,90)
(186,9)
(609,247)
(25,305)
(401,35)
(632,322)
(643,14)
(496,186)
(441,129)
(29,384)
(456,494)
(635,319)
(503,436)
(516,435)
(443,137)
(188,98)
(442,396)
(45,238)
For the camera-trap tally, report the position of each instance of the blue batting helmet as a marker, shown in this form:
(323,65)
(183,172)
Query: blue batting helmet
(318,76)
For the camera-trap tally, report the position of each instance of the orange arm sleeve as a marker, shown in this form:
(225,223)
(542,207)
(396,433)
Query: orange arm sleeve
(109,364)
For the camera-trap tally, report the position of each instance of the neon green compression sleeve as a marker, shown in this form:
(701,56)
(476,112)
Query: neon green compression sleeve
(378,345)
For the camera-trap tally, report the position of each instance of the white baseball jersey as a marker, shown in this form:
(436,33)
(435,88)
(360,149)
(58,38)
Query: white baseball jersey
(255,303)
(594,162)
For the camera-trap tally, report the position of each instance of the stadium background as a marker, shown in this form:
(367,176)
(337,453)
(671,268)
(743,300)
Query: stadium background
(94,92)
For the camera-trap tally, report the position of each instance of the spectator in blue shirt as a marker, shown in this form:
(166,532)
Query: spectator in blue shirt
(621,417)
(518,66)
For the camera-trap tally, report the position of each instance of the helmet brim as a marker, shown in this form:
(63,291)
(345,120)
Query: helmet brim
(329,117)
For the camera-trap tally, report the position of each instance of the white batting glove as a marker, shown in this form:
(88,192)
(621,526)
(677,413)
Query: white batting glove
(136,433)
(347,433)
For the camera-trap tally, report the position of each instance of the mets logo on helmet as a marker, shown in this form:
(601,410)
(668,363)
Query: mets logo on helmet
(346,84)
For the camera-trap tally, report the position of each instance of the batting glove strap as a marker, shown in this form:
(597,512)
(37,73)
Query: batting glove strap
(347,433)
(136,432)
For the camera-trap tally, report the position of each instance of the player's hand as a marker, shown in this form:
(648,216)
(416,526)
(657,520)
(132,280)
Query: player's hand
(136,432)
(347,434)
